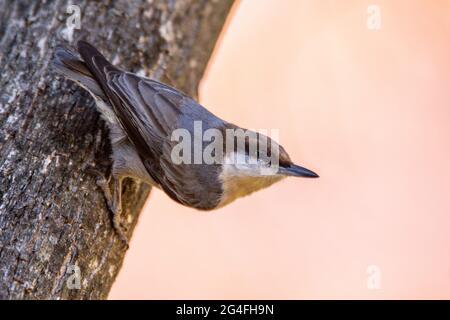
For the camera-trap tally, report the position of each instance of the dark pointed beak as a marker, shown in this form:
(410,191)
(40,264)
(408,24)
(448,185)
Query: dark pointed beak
(296,171)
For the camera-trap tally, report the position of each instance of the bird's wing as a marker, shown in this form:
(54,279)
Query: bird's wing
(149,112)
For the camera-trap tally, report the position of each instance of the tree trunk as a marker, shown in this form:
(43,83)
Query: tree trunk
(56,237)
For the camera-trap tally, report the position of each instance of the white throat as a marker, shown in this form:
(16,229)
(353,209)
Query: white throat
(239,180)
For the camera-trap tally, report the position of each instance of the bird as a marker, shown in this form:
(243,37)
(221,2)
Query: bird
(142,115)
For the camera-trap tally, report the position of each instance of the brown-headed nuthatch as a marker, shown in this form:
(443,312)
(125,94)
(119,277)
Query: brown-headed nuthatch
(145,115)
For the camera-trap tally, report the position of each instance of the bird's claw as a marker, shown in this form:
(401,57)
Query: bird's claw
(112,203)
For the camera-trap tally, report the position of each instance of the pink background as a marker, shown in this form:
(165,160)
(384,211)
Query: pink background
(369,111)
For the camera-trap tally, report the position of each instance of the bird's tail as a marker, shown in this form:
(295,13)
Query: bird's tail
(72,67)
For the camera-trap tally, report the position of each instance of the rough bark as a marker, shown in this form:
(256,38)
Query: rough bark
(53,217)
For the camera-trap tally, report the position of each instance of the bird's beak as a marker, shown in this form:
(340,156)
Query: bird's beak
(296,171)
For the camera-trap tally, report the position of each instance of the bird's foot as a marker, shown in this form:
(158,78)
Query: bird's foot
(120,230)
(113,203)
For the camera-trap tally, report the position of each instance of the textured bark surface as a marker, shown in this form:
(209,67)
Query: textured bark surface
(53,218)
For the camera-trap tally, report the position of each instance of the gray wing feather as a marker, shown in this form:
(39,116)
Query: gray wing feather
(155,110)
(148,111)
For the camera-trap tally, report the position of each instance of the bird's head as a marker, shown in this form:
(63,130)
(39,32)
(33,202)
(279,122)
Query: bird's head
(254,164)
